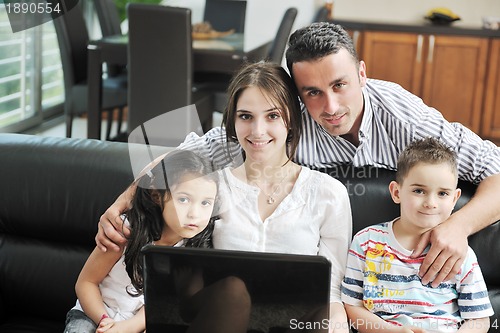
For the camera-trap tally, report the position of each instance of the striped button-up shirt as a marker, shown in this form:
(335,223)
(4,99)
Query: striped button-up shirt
(392,118)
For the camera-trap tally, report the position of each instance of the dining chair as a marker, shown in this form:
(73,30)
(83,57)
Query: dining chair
(108,16)
(73,40)
(109,21)
(321,15)
(160,65)
(278,46)
(225,15)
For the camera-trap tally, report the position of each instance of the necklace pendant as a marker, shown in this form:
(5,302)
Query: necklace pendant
(270,200)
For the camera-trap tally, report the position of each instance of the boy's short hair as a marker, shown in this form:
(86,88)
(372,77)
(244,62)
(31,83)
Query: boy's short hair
(429,150)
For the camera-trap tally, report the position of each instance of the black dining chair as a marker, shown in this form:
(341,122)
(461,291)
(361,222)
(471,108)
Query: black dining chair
(160,65)
(108,16)
(278,46)
(225,15)
(110,23)
(73,39)
(321,15)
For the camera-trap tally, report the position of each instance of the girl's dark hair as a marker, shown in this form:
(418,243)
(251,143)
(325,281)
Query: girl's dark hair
(316,41)
(146,214)
(273,80)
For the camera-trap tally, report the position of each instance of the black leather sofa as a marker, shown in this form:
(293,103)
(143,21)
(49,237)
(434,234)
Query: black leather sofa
(53,191)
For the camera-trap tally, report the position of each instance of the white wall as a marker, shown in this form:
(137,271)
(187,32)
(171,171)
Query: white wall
(264,16)
(197,7)
(413,11)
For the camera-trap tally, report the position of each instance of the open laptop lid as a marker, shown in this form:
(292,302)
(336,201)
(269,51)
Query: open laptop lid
(283,285)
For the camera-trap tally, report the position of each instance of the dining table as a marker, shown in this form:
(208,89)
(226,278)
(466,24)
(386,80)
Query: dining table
(216,55)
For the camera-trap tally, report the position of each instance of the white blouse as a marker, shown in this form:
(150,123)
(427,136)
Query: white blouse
(314,219)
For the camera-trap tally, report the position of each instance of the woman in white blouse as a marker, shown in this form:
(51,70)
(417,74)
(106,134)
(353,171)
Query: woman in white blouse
(271,204)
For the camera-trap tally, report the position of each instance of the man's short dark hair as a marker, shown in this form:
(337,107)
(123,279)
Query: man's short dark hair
(317,41)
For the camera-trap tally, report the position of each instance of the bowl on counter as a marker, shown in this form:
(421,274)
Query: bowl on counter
(442,16)
(491,22)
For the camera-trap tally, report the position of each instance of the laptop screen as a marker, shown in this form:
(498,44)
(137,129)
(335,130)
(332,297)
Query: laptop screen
(282,287)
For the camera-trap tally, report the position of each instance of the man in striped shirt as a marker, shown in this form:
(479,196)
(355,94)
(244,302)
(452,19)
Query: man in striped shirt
(350,119)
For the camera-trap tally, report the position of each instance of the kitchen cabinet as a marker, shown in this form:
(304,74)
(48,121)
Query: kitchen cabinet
(395,57)
(491,117)
(448,72)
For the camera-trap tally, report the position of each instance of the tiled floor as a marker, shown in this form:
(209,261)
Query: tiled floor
(80,128)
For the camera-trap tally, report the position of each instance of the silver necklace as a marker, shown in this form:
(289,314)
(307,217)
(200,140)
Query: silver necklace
(270,197)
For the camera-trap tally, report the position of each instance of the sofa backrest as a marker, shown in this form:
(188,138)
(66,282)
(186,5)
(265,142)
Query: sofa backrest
(52,193)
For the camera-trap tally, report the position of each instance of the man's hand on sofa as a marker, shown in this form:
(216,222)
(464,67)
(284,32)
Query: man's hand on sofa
(111,233)
(446,255)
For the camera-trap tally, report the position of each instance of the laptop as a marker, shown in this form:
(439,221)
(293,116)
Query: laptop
(283,287)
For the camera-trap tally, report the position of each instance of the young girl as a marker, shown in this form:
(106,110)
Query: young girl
(172,206)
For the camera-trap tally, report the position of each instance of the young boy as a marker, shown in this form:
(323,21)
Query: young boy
(381,290)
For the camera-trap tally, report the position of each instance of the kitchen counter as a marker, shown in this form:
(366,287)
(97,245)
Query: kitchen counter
(424,28)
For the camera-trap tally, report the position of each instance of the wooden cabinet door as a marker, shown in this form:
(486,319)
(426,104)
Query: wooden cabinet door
(491,117)
(454,77)
(396,57)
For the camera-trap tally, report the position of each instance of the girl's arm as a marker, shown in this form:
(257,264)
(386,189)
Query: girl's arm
(98,265)
(366,322)
(479,325)
(338,319)
(136,324)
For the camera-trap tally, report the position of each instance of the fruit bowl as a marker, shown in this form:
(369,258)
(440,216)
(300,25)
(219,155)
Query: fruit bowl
(441,16)
(213,34)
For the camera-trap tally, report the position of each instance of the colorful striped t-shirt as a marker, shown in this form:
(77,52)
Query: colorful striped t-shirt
(382,277)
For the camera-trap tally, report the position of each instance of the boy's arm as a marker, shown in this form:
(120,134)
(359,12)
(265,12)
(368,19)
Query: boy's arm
(338,319)
(479,325)
(366,322)
(93,272)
